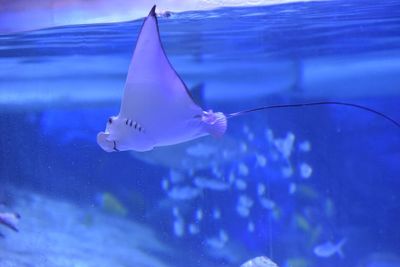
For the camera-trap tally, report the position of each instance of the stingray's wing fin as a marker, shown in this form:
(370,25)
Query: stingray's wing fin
(154,92)
(197,94)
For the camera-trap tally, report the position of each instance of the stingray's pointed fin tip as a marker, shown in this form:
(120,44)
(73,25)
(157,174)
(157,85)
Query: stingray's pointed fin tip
(153,11)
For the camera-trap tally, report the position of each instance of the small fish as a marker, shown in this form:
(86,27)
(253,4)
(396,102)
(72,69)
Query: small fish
(287,171)
(328,249)
(190,156)
(305,146)
(175,211)
(212,184)
(216,213)
(250,227)
(214,243)
(176,177)
(179,227)
(184,193)
(243,211)
(199,214)
(261,261)
(244,205)
(261,160)
(164,184)
(201,150)
(329,207)
(301,222)
(297,262)
(305,170)
(10,220)
(267,203)
(111,204)
(285,145)
(218,242)
(193,229)
(261,189)
(241,184)
(292,188)
(243,169)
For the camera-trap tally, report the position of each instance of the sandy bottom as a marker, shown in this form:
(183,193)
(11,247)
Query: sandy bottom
(57,233)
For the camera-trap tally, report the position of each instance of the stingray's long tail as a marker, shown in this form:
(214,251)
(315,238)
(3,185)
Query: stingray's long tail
(316,104)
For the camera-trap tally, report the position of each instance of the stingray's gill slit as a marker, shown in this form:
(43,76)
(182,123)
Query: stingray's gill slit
(158,98)
(115,146)
(320,103)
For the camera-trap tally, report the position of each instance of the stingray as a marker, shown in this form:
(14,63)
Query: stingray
(157,108)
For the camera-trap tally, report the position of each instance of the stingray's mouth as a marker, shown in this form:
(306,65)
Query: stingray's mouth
(115,146)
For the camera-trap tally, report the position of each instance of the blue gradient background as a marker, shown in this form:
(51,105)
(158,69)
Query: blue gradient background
(59,85)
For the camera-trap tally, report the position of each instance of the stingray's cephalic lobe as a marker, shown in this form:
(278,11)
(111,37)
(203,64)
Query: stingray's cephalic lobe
(157,108)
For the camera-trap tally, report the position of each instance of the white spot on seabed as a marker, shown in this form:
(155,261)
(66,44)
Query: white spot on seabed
(259,262)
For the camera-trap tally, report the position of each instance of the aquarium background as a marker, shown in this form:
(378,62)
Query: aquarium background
(280,183)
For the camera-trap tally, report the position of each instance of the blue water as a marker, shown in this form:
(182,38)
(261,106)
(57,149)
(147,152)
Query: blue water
(295,178)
